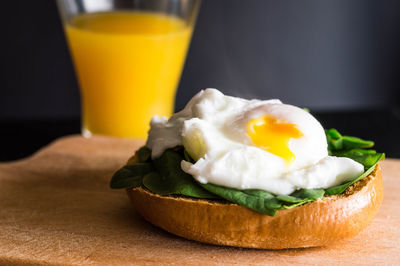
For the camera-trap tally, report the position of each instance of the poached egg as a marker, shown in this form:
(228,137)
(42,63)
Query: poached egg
(251,144)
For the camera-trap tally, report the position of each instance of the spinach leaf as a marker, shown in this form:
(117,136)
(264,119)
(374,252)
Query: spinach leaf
(350,142)
(263,201)
(333,133)
(341,188)
(334,139)
(170,179)
(289,199)
(156,183)
(305,193)
(257,200)
(144,154)
(259,193)
(300,197)
(338,142)
(367,158)
(353,148)
(130,175)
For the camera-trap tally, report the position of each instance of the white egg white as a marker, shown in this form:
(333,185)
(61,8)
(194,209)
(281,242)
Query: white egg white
(212,128)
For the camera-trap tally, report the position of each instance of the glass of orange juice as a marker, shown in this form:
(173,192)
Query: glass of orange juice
(128,57)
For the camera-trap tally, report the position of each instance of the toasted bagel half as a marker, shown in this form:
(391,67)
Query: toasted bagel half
(317,223)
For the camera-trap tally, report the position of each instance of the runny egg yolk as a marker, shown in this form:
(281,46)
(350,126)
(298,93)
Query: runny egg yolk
(273,135)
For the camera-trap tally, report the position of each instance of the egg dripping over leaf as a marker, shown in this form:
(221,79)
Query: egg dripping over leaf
(251,144)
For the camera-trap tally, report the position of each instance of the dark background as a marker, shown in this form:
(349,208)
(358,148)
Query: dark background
(340,58)
(326,55)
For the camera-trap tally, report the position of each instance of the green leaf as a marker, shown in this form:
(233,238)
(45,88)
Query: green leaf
(355,152)
(170,179)
(289,199)
(157,184)
(333,139)
(305,193)
(263,201)
(367,158)
(341,188)
(257,200)
(270,200)
(300,197)
(333,133)
(259,193)
(338,142)
(302,194)
(292,205)
(130,175)
(350,142)
(144,154)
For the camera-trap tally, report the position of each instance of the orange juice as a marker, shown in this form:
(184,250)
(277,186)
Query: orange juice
(128,66)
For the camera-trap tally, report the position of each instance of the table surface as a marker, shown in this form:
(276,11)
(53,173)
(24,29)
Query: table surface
(56,208)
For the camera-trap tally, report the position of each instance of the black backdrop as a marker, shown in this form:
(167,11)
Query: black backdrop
(326,55)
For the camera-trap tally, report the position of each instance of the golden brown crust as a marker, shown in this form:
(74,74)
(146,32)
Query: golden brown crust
(319,223)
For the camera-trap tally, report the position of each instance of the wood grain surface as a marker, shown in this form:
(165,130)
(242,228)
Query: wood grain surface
(56,208)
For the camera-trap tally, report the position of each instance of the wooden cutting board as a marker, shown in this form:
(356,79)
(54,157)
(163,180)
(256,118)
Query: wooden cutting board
(56,208)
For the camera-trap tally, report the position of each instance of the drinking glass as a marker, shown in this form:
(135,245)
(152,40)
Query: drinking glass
(128,58)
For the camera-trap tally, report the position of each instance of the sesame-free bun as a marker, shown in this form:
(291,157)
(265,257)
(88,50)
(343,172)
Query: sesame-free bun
(318,223)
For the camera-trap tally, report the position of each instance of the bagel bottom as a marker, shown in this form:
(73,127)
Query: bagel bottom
(318,223)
